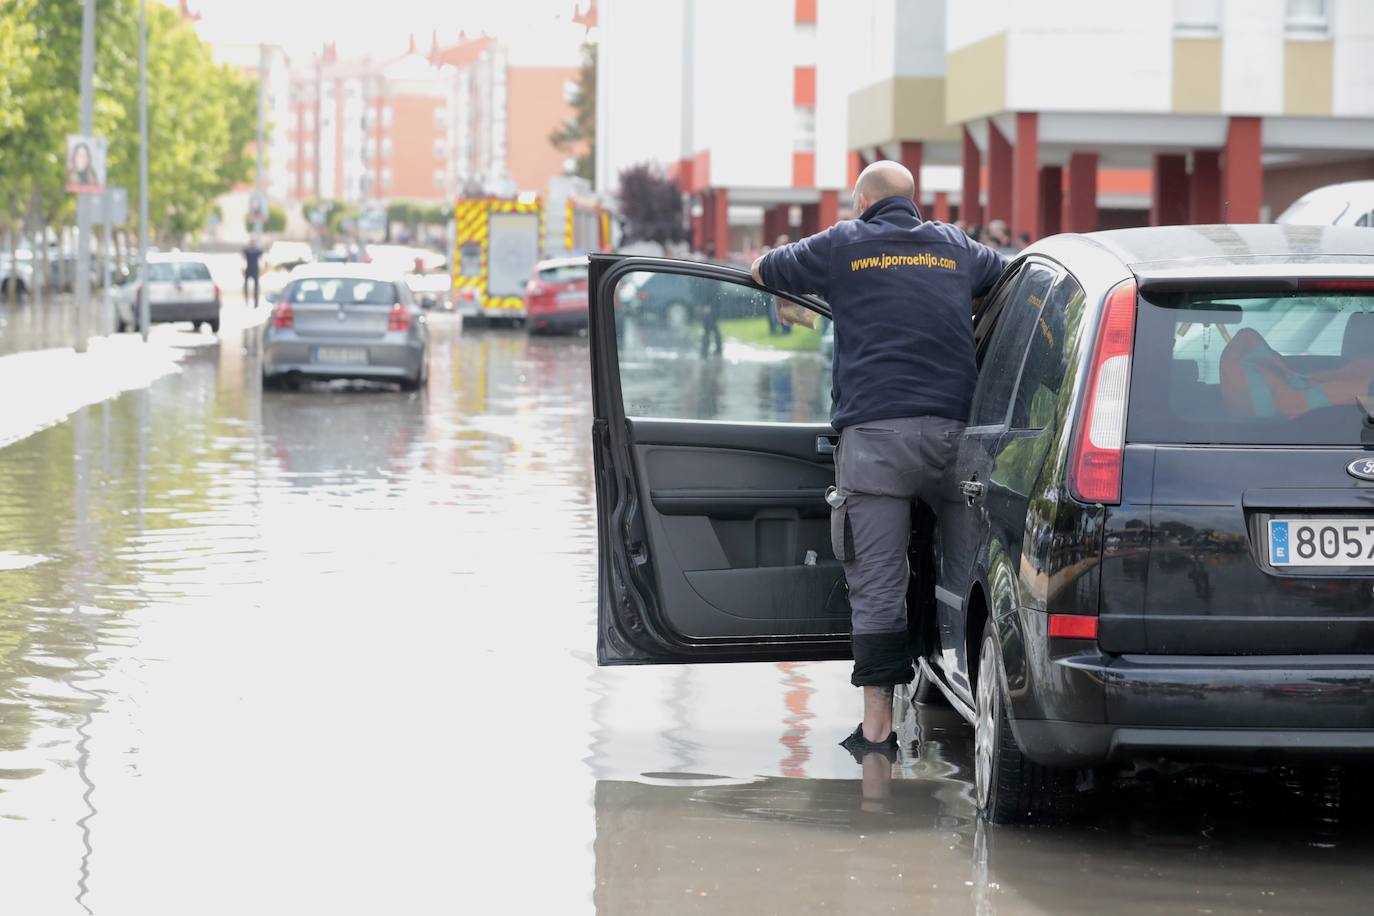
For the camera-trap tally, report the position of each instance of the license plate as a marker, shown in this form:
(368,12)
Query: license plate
(1321,542)
(341,356)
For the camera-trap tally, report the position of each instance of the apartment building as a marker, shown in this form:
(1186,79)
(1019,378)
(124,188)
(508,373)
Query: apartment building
(744,103)
(468,117)
(1058,114)
(1215,99)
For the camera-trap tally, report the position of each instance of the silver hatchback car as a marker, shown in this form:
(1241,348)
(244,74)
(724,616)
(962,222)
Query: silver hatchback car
(354,321)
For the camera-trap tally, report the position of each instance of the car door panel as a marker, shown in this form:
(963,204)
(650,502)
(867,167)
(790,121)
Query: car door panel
(713,527)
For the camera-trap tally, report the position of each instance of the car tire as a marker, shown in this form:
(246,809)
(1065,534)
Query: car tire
(195,327)
(214,326)
(414,384)
(1008,787)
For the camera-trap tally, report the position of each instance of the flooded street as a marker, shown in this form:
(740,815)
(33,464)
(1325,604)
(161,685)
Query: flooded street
(333,651)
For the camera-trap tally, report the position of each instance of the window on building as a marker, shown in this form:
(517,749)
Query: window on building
(386,179)
(309,181)
(804,130)
(1307,17)
(309,150)
(310,120)
(371,148)
(1201,17)
(386,147)
(439,177)
(440,116)
(438,149)
(387,115)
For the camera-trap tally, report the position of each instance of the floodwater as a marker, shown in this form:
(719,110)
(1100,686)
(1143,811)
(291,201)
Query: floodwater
(332,651)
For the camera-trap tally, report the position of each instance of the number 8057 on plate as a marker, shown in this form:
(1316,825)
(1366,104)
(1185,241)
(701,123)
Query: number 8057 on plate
(1321,542)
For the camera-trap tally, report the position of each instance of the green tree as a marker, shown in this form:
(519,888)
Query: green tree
(577,135)
(651,206)
(201,115)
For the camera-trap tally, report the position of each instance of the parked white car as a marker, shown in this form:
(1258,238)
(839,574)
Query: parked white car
(1350,203)
(179,288)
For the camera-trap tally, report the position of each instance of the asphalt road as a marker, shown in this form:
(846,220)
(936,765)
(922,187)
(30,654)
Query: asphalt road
(331,651)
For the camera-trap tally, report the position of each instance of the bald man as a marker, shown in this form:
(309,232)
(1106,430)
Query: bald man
(901,294)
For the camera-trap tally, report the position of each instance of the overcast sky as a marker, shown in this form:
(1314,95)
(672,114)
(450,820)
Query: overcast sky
(537,31)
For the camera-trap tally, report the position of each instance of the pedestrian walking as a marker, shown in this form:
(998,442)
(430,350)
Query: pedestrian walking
(252,261)
(901,293)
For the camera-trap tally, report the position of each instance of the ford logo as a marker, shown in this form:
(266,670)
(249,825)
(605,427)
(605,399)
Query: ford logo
(1361,468)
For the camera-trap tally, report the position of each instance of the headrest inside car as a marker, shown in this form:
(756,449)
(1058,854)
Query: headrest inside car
(1359,336)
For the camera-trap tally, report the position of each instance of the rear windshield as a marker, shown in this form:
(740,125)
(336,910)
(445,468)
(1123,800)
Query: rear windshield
(343,291)
(177,271)
(1253,369)
(565,273)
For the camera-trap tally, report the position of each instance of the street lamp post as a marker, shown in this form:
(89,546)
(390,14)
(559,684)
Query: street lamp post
(143,310)
(81,285)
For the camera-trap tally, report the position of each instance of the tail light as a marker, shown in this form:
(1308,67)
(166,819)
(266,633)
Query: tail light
(1095,472)
(1073,626)
(399,319)
(283,316)
(216,293)
(534,289)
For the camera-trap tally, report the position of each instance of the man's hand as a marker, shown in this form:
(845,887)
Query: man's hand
(789,314)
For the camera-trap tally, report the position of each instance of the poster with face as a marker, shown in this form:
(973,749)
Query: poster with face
(85,163)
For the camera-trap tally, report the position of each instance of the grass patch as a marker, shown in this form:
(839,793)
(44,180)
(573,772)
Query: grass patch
(754,332)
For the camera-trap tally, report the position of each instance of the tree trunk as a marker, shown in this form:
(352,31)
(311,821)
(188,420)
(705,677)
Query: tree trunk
(12,288)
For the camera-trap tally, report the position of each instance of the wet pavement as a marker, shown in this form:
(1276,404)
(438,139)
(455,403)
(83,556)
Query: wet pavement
(332,651)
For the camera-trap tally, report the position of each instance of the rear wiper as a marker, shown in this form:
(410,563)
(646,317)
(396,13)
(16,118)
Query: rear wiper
(1366,403)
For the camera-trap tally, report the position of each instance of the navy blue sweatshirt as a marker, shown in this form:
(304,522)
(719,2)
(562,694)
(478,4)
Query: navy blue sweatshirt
(901,292)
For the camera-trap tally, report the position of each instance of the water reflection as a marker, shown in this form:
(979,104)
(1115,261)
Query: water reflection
(340,642)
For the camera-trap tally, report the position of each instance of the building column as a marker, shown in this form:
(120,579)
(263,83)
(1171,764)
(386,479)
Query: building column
(1204,187)
(1169,197)
(828,210)
(911,153)
(810,219)
(970,210)
(1080,203)
(999,176)
(1026,177)
(720,223)
(1242,175)
(940,213)
(856,165)
(1051,200)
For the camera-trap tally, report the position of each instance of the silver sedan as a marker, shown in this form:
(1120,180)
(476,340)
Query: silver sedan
(354,321)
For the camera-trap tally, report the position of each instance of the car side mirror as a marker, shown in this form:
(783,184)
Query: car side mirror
(272,297)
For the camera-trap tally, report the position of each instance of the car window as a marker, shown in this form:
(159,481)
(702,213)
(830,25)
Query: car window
(1283,368)
(343,291)
(192,270)
(1042,375)
(162,272)
(1007,345)
(699,348)
(564,273)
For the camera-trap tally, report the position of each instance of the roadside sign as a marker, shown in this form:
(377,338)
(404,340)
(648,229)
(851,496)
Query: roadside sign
(317,216)
(257,207)
(85,163)
(110,206)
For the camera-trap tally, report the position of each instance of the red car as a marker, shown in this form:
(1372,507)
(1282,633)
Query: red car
(556,296)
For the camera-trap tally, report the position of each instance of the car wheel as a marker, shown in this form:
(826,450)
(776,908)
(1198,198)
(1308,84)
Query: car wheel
(412,384)
(1008,787)
(214,326)
(676,315)
(195,327)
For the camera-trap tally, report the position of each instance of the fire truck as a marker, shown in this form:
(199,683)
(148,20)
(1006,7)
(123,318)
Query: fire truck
(498,242)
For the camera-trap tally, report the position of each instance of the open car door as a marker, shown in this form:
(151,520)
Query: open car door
(713,450)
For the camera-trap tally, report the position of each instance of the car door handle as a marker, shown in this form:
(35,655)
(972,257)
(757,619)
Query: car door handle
(971,489)
(825,445)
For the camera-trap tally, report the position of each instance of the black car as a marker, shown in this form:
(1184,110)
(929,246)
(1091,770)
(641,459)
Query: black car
(674,300)
(1157,539)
